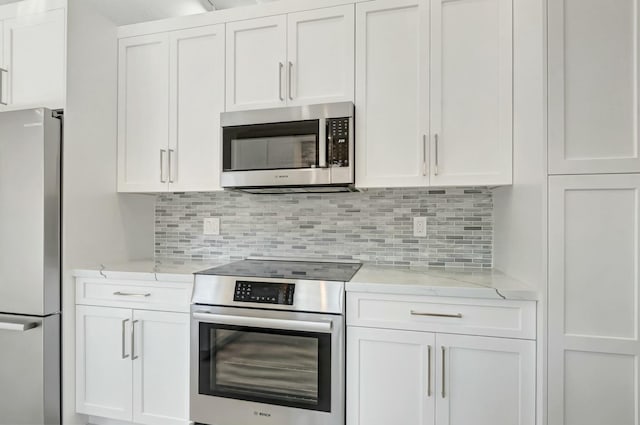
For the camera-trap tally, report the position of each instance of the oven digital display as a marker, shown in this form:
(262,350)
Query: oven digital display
(264,292)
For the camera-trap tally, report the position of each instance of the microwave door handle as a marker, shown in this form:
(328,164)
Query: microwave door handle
(324,326)
(322,143)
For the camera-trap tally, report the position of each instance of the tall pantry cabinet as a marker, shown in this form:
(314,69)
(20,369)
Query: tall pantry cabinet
(594,213)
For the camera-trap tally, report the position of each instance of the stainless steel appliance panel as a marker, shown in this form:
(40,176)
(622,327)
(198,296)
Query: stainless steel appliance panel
(286,114)
(30,212)
(30,372)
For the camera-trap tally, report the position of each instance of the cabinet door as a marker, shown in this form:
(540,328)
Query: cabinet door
(390,377)
(593,86)
(143,113)
(4,73)
(485,381)
(196,101)
(160,368)
(103,362)
(594,293)
(392,92)
(256,57)
(321,54)
(35,58)
(471,92)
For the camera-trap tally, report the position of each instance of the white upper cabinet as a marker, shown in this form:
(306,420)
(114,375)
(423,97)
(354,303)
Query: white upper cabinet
(593,87)
(297,59)
(171,94)
(256,63)
(34,60)
(143,113)
(196,100)
(392,92)
(471,92)
(320,56)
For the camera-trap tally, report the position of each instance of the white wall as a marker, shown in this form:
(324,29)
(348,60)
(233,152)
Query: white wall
(99,226)
(520,211)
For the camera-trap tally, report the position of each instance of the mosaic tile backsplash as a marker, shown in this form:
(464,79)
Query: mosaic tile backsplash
(375,226)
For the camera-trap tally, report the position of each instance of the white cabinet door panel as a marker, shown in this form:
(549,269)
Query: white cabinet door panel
(256,57)
(392,92)
(485,381)
(594,289)
(320,56)
(390,377)
(160,368)
(143,113)
(471,92)
(103,362)
(35,58)
(196,101)
(593,86)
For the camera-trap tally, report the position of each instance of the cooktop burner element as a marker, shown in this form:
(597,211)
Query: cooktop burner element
(287,269)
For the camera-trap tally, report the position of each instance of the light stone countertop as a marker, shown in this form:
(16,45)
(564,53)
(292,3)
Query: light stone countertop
(152,270)
(444,282)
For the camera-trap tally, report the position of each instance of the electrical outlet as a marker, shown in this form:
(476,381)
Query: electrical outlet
(211,226)
(420,226)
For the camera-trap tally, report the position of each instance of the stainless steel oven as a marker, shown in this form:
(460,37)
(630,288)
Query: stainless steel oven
(268,350)
(308,148)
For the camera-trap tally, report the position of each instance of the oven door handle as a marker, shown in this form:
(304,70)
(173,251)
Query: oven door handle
(324,326)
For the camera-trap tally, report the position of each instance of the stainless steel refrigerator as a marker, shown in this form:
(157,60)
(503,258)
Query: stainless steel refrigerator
(30,313)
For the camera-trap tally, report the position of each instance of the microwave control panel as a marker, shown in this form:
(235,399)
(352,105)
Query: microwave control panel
(338,137)
(264,292)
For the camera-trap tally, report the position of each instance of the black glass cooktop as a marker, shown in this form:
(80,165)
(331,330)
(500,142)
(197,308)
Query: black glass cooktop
(281,269)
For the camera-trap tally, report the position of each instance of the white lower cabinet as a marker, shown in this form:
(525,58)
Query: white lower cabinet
(103,362)
(132,364)
(423,378)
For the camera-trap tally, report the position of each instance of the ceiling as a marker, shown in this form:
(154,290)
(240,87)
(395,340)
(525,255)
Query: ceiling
(124,12)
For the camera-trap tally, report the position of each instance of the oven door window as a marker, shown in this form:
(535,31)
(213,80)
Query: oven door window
(288,145)
(286,368)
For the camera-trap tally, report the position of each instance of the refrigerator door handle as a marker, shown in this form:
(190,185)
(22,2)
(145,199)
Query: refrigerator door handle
(18,327)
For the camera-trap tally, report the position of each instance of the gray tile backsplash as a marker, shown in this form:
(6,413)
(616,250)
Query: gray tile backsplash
(375,226)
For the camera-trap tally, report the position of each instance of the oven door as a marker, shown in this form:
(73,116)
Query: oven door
(266,367)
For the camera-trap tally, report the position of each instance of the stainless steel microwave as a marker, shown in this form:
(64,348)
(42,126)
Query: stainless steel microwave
(292,149)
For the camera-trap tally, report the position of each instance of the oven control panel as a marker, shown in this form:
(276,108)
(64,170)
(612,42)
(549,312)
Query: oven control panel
(264,292)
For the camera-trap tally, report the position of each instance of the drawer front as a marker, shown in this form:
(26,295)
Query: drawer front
(501,318)
(146,295)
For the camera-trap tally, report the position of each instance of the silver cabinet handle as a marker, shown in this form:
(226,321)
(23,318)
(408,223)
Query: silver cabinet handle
(17,327)
(171,151)
(429,371)
(290,78)
(124,326)
(280,324)
(280,66)
(435,170)
(424,154)
(133,340)
(163,152)
(454,316)
(2,70)
(443,369)
(131,294)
